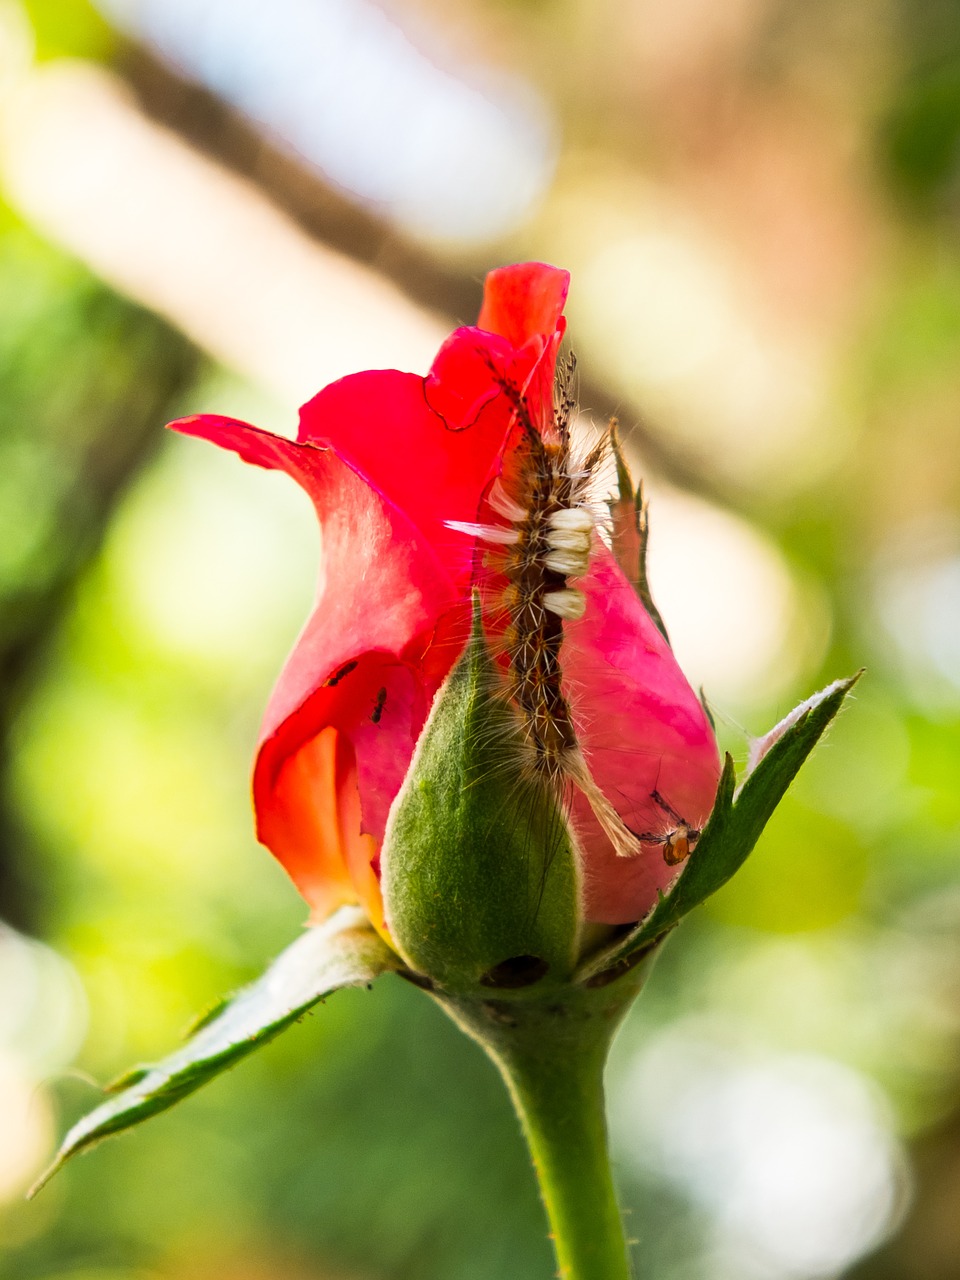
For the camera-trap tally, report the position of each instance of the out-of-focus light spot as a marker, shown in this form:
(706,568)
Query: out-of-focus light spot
(682,314)
(675,322)
(230,579)
(917,594)
(792,1156)
(26,1125)
(676,40)
(666,318)
(455,156)
(203,248)
(739,622)
(42,1023)
(43,1014)
(860,773)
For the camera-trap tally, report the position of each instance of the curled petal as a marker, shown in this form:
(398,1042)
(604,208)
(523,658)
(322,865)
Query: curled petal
(383,427)
(523,299)
(466,377)
(310,819)
(385,606)
(430,446)
(524,303)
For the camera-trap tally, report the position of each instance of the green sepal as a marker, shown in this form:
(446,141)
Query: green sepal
(342,952)
(630,519)
(735,825)
(478,874)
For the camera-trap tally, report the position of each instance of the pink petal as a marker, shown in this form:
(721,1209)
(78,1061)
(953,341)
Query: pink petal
(642,729)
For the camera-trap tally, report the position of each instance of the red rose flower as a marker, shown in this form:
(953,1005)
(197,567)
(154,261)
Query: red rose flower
(426,488)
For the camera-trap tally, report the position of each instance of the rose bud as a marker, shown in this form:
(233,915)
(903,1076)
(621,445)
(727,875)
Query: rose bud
(482,744)
(427,488)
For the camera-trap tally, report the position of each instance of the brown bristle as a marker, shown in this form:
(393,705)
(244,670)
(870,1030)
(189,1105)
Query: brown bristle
(566,397)
(538,485)
(536,633)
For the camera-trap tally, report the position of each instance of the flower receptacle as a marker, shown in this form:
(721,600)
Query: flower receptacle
(479,877)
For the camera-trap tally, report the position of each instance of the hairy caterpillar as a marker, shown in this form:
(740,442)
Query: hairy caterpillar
(544,539)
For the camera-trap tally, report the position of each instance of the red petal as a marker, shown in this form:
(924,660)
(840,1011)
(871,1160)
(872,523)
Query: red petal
(381,424)
(311,820)
(524,299)
(380,601)
(521,303)
(430,446)
(388,459)
(466,376)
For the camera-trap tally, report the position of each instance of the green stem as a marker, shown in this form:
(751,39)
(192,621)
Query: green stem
(561,1106)
(552,1060)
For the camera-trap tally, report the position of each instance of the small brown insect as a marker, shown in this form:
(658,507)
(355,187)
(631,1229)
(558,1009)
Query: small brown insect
(377,711)
(679,842)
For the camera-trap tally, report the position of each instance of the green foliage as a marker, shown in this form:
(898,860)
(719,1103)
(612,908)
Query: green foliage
(344,951)
(477,864)
(920,131)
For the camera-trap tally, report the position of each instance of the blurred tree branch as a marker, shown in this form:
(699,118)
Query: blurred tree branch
(86,381)
(341,224)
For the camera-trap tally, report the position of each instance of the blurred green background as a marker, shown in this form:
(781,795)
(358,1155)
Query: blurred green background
(214,206)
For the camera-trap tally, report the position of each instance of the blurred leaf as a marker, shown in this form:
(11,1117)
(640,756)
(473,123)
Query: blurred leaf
(70,28)
(811,874)
(85,380)
(343,952)
(735,824)
(921,140)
